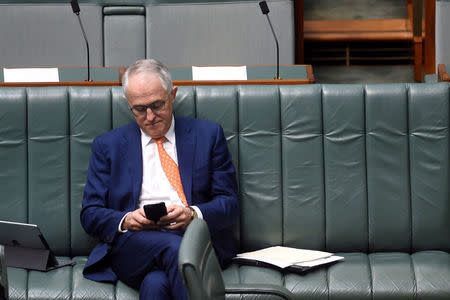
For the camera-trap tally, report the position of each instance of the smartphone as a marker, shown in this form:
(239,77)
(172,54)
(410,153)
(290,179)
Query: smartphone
(155,211)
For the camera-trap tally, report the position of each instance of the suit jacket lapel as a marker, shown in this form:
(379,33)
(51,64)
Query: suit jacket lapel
(132,154)
(185,140)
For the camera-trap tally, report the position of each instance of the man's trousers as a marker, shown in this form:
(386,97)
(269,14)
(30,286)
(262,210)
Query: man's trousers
(148,261)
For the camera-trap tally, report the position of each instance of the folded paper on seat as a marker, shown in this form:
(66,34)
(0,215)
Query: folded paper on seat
(291,259)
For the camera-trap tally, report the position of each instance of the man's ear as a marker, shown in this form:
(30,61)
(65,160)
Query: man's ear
(173,94)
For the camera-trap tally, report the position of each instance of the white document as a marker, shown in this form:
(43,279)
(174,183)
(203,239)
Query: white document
(219,73)
(31,75)
(320,261)
(283,257)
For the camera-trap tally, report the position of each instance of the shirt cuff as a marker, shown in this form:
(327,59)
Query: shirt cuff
(198,211)
(120,224)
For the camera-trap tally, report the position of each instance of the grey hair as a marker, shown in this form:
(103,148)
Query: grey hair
(148,67)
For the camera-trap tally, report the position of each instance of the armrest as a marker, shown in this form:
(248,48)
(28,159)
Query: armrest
(266,289)
(198,263)
(3,275)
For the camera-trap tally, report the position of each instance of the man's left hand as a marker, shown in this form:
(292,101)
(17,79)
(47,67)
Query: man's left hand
(178,217)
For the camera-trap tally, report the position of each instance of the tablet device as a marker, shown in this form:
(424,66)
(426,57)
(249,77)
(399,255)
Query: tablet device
(26,247)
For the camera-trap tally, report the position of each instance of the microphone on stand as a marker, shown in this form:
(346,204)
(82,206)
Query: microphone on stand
(76,10)
(265,11)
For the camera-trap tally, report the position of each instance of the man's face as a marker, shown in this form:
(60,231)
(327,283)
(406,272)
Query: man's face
(144,90)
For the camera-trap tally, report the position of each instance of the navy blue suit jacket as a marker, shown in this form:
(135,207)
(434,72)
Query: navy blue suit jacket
(115,177)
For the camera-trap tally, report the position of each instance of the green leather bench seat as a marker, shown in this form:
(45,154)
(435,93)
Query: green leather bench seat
(382,275)
(360,170)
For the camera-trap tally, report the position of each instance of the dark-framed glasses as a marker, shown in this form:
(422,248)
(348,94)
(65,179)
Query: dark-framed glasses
(156,106)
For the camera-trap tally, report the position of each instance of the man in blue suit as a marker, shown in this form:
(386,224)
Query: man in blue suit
(125,173)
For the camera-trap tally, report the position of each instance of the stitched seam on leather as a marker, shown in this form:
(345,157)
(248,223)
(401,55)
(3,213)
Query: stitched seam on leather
(27,158)
(281,167)
(415,295)
(324,191)
(408,92)
(370,276)
(365,158)
(69,179)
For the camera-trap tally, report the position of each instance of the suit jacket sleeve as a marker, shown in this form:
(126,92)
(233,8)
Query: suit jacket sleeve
(222,207)
(98,217)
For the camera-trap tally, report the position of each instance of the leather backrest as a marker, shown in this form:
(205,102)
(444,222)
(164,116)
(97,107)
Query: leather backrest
(332,167)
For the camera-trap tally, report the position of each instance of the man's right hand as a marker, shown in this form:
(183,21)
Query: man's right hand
(136,221)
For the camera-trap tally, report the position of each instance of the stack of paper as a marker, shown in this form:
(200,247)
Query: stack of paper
(291,258)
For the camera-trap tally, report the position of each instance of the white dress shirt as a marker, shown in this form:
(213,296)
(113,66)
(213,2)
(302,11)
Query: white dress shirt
(155,185)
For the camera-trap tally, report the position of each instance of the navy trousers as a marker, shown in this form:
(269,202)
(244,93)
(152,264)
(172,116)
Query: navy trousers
(148,261)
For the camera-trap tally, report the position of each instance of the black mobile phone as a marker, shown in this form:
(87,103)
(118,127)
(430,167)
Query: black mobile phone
(155,211)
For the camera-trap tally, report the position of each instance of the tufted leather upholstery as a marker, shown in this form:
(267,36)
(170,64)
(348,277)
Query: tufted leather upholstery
(358,170)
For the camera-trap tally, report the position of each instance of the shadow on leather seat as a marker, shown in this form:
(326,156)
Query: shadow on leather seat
(3,276)
(201,272)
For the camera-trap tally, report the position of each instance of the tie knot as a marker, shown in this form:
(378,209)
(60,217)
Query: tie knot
(159,140)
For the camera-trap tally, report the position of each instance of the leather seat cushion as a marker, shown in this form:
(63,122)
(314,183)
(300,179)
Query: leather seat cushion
(64,283)
(383,275)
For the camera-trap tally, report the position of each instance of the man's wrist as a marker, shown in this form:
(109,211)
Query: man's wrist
(193,213)
(121,229)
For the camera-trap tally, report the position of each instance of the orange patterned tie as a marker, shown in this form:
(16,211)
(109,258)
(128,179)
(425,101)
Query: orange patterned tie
(170,169)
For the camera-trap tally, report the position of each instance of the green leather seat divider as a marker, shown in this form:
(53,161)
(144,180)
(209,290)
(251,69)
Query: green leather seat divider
(429,167)
(13,155)
(260,161)
(87,107)
(388,183)
(302,167)
(344,153)
(48,165)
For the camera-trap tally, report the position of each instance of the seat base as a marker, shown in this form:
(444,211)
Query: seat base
(360,276)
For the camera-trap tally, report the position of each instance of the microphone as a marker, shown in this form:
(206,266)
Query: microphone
(265,11)
(76,10)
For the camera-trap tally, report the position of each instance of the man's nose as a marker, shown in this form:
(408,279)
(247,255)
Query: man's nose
(149,113)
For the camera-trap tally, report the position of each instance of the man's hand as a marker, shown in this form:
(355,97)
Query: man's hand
(178,217)
(136,221)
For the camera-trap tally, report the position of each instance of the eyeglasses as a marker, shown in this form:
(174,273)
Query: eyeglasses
(141,110)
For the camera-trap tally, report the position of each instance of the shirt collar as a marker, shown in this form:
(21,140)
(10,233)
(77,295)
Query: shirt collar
(170,134)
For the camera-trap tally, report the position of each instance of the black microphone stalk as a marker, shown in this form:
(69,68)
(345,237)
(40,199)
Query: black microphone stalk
(265,11)
(76,10)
